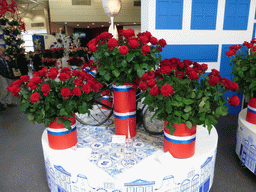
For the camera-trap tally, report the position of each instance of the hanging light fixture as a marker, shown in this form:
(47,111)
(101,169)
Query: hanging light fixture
(112,8)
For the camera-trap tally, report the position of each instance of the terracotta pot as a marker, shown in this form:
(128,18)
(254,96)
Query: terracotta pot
(251,111)
(182,143)
(60,137)
(125,110)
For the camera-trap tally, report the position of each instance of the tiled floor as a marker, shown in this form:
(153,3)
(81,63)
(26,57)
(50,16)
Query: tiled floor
(22,165)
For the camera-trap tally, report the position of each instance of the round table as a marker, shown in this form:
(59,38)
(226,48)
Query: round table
(139,164)
(246,142)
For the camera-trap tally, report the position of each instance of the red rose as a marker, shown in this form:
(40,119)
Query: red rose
(128,33)
(112,43)
(42,73)
(64,76)
(253,41)
(96,86)
(165,70)
(45,87)
(144,40)
(187,62)
(17,82)
(160,49)
(32,85)
(204,67)
(213,80)
(193,75)
(15,90)
(123,50)
(245,43)
(153,40)
(147,34)
(143,86)
(145,77)
(162,42)
(35,97)
(92,48)
(249,45)
(24,78)
(254,48)
(134,44)
(237,47)
(234,101)
(154,91)
(137,80)
(105,35)
(181,65)
(53,75)
(166,90)
(145,49)
(188,70)
(179,74)
(230,53)
(65,92)
(86,88)
(151,83)
(76,91)
(37,80)
(215,72)
(78,82)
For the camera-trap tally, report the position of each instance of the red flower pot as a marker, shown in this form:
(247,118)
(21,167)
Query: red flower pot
(106,100)
(125,110)
(251,111)
(182,143)
(60,137)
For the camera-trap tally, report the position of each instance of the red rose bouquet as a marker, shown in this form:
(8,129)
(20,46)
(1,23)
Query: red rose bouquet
(124,60)
(179,92)
(243,60)
(49,62)
(49,94)
(75,61)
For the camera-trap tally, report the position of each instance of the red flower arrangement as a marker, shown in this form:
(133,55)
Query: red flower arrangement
(49,62)
(122,61)
(75,61)
(49,94)
(179,92)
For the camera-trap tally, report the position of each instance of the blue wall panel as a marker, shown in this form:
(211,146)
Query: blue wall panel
(204,14)
(199,53)
(236,14)
(169,14)
(254,30)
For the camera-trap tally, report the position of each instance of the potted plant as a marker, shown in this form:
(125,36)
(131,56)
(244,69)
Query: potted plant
(52,98)
(181,95)
(243,61)
(120,63)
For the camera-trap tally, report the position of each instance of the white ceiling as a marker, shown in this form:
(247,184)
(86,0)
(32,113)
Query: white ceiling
(33,6)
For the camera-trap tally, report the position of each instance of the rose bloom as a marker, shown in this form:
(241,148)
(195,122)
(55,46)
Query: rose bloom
(123,50)
(92,48)
(145,49)
(76,73)
(35,97)
(96,86)
(53,75)
(32,85)
(24,78)
(179,74)
(134,44)
(237,47)
(145,77)
(76,91)
(235,87)
(105,35)
(154,91)
(144,40)
(86,88)
(234,101)
(166,90)
(213,80)
(162,42)
(204,67)
(143,86)
(112,43)
(153,40)
(45,87)
(230,53)
(193,75)
(137,80)
(249,45)
(15,90)
(42,73)
(17,82)
(64,76)
(65,92)
(151,83)
(78,82)
(36,80)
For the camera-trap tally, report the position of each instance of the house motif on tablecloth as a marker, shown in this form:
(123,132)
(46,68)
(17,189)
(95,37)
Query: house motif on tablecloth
(139,185)
(63,179)
(81,184)
(207,170)
(248,154)
(168,184)
(50,175)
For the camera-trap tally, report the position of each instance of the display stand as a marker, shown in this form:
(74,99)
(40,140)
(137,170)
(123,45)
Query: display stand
(98,163)
(246,142)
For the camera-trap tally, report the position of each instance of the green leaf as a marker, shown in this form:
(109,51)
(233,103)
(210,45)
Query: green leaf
(140,72)
(177,113)
(193,95)
(188,124)
(170,127)
(116,73)
(185,116)
(124,63)
(102,72)
(130,57)
(107,77)
(63,112)
(169,109)
(59,106)
(31,116)
(67,124)
(144,65)
(187,109)
(106,54)
(60,120)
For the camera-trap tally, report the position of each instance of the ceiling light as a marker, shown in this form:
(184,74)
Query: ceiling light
(77,25)
(65,22)
(88,26)
(117,24)
(102,25)
(92,23)
(134,23)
